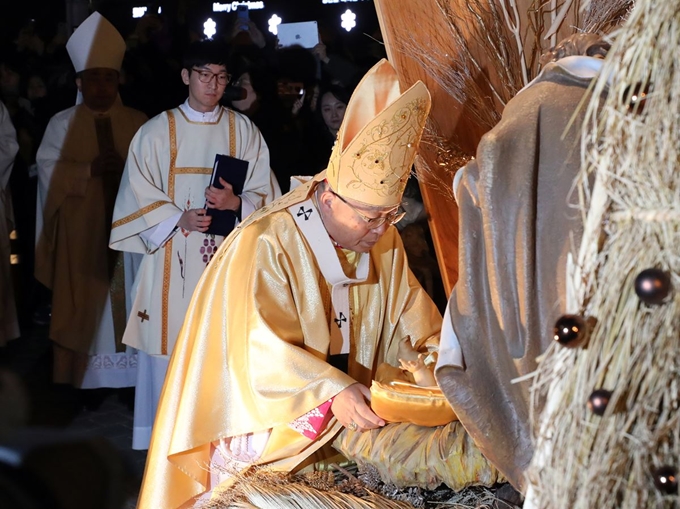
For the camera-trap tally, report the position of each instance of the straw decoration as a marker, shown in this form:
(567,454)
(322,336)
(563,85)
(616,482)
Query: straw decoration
(609,432)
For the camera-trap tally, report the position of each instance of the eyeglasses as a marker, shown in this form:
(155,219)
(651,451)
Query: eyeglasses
(206,76)
(376,222)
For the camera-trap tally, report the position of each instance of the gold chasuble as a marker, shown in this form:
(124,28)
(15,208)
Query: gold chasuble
(252,353)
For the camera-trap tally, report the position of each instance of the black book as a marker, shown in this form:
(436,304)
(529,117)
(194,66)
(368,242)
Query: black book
(233,171)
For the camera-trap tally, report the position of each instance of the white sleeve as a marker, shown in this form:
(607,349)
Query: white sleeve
(158,235)
(450,353)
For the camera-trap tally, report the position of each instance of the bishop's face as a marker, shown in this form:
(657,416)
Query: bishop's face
(351,224)
(206,86)
(99,87)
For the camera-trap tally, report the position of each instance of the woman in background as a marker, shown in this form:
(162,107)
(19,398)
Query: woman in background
(330,112)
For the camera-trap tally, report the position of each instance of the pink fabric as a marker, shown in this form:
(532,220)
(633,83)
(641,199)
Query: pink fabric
(314,421)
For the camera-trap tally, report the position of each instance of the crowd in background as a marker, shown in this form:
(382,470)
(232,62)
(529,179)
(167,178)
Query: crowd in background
(295,96)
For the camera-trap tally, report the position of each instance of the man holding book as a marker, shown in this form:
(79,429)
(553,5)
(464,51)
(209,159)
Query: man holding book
(167,208)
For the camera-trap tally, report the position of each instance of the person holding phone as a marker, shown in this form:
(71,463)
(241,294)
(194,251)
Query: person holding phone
(244,33)
(242,17)
(160,212)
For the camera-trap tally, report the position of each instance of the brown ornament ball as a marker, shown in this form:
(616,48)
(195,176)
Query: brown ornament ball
(652,286)
(570,331)
(598,401)
(635,97)
(665,479)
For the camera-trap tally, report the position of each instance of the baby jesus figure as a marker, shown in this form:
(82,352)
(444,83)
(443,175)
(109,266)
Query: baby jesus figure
(410,393)
(421,373)
(416,364)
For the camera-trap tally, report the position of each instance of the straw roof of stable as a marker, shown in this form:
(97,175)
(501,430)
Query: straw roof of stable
(629,185)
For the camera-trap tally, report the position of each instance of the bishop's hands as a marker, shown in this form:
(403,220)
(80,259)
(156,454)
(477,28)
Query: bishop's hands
(107,162)
(351,409)
(222,199)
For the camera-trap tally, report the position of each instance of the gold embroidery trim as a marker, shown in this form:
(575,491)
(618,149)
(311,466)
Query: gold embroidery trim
(203,123)
(138,214)
(232,134)
(167,259)
(173,154)
(199,171)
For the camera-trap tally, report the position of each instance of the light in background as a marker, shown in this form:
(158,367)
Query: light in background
(274,23)
(209,28)
(138,12)
(348,20)
(231,7)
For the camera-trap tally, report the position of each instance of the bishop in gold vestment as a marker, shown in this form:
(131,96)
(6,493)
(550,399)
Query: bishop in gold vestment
(287,292)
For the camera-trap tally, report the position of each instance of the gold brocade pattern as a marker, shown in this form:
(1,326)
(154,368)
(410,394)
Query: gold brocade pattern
(167,255)
(172,130)
(167,260)
(380,161)
(377,141)
(138,214)
(232,129)
(195,171)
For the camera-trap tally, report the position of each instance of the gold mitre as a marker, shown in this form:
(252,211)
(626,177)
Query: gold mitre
(377,141)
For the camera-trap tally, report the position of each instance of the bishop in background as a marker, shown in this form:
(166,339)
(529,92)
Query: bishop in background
(80,164)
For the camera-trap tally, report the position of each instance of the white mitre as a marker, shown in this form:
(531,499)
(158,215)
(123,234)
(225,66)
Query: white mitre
(96,43)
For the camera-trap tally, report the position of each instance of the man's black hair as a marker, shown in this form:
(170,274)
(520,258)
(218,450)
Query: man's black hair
(206,52)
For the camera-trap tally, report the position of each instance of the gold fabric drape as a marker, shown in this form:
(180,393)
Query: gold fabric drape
(251,355)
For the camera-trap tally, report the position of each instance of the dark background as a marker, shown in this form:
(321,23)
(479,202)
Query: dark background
(192,13)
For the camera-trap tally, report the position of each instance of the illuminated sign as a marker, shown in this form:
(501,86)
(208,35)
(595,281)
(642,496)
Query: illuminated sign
(231,6)
(138,12)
